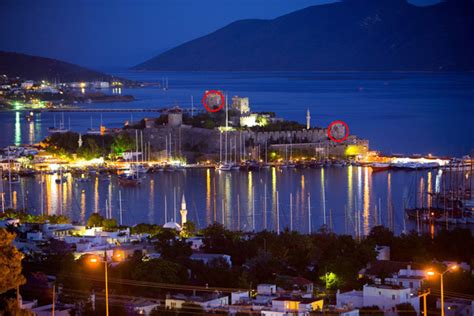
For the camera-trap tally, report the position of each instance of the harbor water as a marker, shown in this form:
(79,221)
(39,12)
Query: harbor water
(398,112)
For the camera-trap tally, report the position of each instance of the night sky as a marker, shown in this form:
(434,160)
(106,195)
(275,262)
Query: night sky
(119,33)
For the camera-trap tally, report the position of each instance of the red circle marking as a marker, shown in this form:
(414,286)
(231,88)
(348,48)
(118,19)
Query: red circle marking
(345,135)
(221,105)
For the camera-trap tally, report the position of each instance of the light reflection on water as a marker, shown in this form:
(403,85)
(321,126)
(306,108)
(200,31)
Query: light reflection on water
(241,199)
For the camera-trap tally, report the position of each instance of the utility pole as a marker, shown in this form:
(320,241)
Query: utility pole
(424,295)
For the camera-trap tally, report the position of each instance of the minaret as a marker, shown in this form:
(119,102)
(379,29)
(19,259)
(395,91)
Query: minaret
(308,120)
(184,212)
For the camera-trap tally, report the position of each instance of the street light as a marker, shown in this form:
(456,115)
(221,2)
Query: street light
(433,273)
(94,260)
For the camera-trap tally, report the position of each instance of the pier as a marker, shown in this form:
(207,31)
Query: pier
(111,110)
(100,110)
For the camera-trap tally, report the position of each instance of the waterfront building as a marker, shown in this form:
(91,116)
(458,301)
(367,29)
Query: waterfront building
(101,84)
(28,84)
(240,104)
(175,117)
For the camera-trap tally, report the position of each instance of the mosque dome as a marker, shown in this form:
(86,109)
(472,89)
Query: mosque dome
(172,225)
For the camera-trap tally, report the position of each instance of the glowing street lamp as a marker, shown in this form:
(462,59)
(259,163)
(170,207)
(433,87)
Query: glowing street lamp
(94,260)
(433,273)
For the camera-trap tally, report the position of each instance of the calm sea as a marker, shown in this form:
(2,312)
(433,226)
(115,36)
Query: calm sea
(398,112)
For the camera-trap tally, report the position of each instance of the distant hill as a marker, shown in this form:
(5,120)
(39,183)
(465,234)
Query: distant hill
(40,68)
(373,35)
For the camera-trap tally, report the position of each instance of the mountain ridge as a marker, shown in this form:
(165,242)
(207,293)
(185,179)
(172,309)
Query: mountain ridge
(32,67)
(353,35)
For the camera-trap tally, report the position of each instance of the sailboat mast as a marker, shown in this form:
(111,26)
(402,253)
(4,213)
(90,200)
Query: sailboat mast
(42,190)
(141,143)
(253,209)
(323,193)
(174,203)
(309,213)
(166,211)
(278,213)
(220,147)
(266,153)
(136,151)
(291,211)
(226,126)
(265,207)
(120,207)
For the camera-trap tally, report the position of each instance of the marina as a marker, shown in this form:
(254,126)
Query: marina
(349,199)
(234,186)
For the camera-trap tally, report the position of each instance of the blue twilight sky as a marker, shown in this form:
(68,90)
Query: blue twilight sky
(122,33)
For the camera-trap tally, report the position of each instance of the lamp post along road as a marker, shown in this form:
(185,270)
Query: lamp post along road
(94,260)
(433,273)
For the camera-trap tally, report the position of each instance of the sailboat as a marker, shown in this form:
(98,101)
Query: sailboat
(94,131)
(379,166)
(266,165)
(132,176)
(61,179)
(61,128)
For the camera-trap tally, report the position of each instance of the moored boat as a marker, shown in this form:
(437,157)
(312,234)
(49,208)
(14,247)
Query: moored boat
(379,166)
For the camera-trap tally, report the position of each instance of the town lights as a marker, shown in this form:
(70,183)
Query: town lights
(118,255)
(93,260)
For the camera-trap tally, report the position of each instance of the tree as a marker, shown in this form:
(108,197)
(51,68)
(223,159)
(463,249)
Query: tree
(158,270)
(9,307)
(381,236)
(121,143)
(95,220)
(189,230)
(89,150)
(10,263)
(109,224)
(143,228)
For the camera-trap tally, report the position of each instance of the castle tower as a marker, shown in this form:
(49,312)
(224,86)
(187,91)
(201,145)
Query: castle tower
(308,120)
(184,212)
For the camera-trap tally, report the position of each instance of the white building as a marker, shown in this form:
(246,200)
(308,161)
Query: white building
(144,307)
(383,252)
(266,289)
(196,242)
(207,258)
(293,306)
(239,296)
(206,302)
(350,300)
(27,84)
(386,297)
(100,84)
(240,104)
(408,278)
(454,307)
